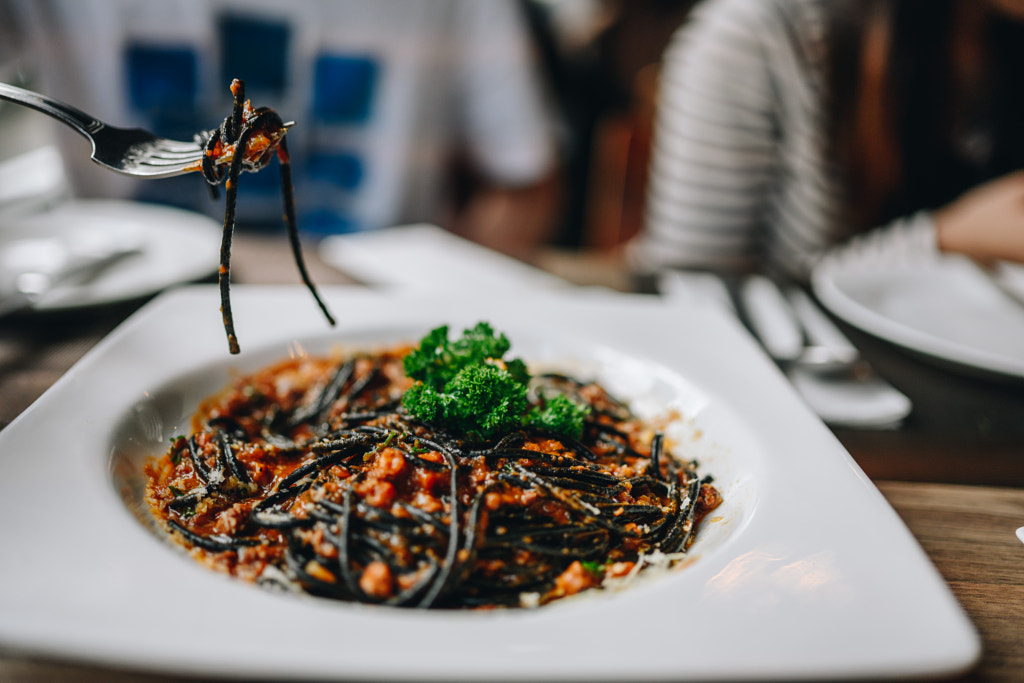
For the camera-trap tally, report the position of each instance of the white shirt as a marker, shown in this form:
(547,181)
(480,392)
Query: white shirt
(382,93)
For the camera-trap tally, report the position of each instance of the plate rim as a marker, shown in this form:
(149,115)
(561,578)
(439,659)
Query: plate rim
(757,564)
(139,217)
(825,283)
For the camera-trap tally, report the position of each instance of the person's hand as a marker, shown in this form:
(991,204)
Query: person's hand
(987,222)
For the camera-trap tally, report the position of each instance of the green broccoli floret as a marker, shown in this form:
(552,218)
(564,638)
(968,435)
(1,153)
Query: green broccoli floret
(480,343)
(467,385)
(426,403)
(431,361)
(481,400)
(560,415)
(487,400)
(437,359)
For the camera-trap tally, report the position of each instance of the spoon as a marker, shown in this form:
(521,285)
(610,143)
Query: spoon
(37,266)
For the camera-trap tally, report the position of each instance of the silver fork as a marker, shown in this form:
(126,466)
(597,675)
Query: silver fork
(131,151)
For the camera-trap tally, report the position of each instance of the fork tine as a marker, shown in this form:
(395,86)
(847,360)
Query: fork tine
(153,171)
(157,162)
(162,165)
(123,150)
(164,144)
(188,155)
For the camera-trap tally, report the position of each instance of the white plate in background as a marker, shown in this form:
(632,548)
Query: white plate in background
(175,246)
(427,256)
(946,308)
(805,572)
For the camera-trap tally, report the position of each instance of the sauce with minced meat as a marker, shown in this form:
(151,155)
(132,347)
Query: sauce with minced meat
(389,478)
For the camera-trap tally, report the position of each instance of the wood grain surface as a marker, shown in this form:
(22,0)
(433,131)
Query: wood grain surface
(969,532)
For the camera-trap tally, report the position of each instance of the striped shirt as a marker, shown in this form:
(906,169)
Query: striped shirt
(740,174)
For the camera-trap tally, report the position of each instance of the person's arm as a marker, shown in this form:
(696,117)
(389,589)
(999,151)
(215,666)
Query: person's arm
(715,184)
(985,223)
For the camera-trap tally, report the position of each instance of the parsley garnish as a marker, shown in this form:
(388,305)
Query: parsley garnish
(468,385)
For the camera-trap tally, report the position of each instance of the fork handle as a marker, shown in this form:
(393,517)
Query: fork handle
(65,113)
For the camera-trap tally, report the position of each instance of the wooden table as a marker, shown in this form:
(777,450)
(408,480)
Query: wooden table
(954,472)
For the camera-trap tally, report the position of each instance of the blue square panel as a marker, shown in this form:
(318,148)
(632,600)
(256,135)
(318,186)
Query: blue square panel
(265,181)
(162,83)
(342,170)
(344,87)
(326,221)
(254,50)
(161,77)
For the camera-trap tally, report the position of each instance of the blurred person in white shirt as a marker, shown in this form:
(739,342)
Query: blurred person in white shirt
(405,110)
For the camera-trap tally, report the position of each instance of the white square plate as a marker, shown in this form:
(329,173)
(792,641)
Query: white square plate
(805,572)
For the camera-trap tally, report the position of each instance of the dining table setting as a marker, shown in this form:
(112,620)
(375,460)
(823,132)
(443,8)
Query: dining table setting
(936,429)
(864,431)
(860,436)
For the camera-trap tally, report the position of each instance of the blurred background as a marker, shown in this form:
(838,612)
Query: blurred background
(512,123)
(792,134)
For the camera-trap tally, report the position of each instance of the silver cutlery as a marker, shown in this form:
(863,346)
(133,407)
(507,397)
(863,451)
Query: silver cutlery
(130,151)
(821,363)
(49,263)
(826,348)
(771,319)
(794,330)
